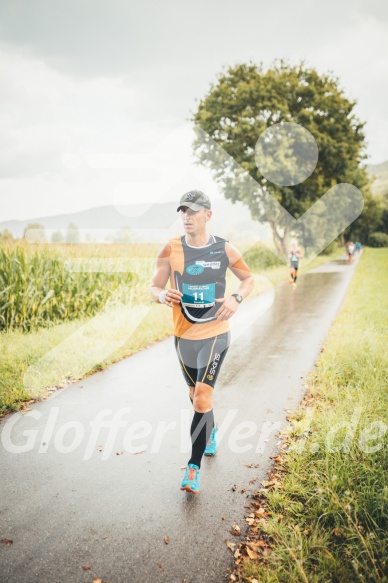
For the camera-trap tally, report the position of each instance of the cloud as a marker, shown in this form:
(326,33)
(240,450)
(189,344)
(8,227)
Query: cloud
(92,77)
(47,115)
(359,57)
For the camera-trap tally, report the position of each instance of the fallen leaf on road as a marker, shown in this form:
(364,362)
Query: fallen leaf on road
(277,458)
(97,581)
(160,565)
(230,545)
(251,554)
(136,452)
(258,543)
(166,540)
(6,541)
(234,487)
(119,452)
(235,530)
(271,483)
(86,567)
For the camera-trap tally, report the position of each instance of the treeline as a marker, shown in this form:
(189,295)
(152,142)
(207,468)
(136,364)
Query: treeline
(36,233)
(371,227)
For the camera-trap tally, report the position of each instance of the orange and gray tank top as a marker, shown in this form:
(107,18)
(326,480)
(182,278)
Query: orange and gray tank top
(199,273)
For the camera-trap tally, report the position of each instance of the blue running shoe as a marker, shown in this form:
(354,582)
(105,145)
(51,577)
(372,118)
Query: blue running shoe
(190,482)
(211,446)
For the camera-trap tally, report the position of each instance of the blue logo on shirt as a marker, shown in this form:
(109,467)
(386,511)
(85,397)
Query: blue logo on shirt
(194,269)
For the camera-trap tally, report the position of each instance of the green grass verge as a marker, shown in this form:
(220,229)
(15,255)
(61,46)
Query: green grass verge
(324,511)
(53,357)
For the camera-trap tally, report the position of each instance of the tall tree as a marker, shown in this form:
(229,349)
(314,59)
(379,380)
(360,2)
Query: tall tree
(368,222)
(57,237)
(6,235)
(72,234)
(37,234)
(245,101)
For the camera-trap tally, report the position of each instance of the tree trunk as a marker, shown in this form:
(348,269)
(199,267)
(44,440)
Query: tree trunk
(286,241)
(281,243)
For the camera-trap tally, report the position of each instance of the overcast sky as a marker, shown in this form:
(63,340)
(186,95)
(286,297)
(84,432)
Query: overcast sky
(91,77)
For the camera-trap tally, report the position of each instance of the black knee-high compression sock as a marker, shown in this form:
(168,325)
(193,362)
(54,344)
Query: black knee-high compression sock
(201,428)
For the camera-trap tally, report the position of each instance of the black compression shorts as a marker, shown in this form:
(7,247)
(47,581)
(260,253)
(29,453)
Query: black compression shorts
(201,360)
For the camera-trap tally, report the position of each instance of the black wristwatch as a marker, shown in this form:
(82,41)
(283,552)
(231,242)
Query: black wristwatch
(238,298)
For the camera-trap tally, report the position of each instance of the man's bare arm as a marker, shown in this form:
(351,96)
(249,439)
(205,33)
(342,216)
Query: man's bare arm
(161,276)
(241,270)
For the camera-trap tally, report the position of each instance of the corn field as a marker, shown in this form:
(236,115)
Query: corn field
(38,290)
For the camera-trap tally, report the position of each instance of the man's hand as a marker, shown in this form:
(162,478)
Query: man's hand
(227,309)
(173,296)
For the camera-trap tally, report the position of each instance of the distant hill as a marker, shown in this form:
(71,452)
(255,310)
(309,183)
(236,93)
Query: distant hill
(380,174)
(147,223)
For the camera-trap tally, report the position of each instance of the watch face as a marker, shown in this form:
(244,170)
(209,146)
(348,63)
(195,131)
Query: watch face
(238,298)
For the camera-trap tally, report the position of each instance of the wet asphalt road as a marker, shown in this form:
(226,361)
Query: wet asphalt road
(90,506)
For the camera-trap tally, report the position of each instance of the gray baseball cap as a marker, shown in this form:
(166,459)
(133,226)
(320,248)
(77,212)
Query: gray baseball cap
(194,199)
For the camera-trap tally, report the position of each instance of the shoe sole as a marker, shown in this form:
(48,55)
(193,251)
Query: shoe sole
(210,454)
(188,489)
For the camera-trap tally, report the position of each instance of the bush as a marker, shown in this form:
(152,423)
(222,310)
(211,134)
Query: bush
(330,248)
(378,240)
(260,257)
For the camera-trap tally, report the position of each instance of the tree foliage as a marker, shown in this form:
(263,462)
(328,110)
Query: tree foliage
(246,100)
(72,234)
(37,234)
(57,237)
(6,235)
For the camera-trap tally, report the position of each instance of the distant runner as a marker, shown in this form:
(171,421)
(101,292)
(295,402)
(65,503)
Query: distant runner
(350,248)
(196,264)
(294,256)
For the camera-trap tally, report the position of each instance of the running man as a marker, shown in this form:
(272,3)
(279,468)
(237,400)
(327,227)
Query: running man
(294,255)
(196,264)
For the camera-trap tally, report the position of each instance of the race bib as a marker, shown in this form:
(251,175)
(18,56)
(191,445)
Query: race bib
(199,296)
